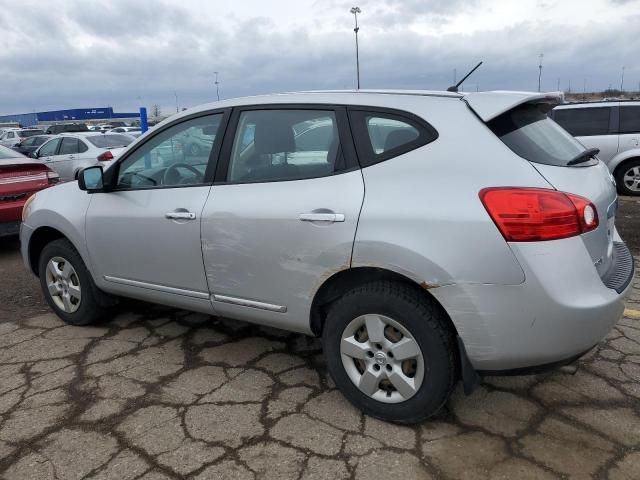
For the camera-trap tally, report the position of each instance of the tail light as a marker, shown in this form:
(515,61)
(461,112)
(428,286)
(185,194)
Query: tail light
(105,157)
(53,178)
(537,214)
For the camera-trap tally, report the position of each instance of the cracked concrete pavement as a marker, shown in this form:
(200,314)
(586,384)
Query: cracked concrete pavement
(157,393)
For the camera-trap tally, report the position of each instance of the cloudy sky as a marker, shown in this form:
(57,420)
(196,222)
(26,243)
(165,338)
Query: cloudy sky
(127,53)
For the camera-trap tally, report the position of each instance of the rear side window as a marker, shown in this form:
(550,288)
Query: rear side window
(629,119)
(584,122)
(69,146)
(383,135)
(531,134)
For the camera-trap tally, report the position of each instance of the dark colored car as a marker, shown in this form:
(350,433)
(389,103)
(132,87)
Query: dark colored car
(66,128)
(30,144)
(20,177)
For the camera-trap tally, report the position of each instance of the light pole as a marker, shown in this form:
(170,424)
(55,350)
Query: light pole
(356,11)
(176,95)
(622,81)
(217,87)
(540,70)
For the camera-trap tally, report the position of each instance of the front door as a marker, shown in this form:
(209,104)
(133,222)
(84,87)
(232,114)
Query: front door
(282,214)
(47,153)
(144,237)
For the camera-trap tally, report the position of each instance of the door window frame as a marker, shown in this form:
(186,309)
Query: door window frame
(346,150)
(111,175)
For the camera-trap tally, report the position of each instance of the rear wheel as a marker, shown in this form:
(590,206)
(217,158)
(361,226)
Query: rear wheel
(390,352)
(67,284)
(628,177)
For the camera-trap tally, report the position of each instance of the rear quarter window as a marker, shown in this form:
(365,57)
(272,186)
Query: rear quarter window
(629,119)
(383,134)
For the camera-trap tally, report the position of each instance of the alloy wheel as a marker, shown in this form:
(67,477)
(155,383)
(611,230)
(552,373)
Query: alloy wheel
(631,178)
(63,284)
(382,358)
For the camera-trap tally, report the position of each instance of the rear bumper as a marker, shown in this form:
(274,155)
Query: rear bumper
(561,310)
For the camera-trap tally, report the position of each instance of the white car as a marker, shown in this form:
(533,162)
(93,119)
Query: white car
(69,153)
(12,137)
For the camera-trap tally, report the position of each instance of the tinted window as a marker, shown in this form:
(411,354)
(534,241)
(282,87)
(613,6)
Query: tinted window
(82,147)
(165,160)
(110,141)
(381,135)
(69,146)
(49,148)
(584,122)
(629,119)
(36,141)
(29,133)
(530,133)
(273,145)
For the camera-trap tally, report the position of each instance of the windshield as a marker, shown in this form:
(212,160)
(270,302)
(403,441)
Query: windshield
(8,153)
(530,133)
(29,133)
(110,141)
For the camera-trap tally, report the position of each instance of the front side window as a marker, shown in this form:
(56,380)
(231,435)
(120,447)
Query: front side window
(584,122)
(278,145)
(49,148)
(629,119)
(169,159)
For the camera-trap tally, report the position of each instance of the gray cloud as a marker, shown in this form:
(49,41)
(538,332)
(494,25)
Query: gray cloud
(125,54)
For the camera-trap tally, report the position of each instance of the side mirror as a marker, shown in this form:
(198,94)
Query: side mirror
(34,154)
(91,179)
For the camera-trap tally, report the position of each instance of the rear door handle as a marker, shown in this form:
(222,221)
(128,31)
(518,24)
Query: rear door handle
(180,215)
(322,217)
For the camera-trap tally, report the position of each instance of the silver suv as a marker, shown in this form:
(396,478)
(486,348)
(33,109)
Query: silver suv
(425,236)
(614,129)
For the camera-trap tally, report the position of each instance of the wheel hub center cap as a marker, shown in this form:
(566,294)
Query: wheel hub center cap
(381,358)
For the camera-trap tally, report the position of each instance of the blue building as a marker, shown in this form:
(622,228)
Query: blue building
(75,114)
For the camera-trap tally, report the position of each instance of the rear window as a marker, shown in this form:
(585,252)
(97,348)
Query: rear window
(110,141)
(584,122)
(629,119)
(530,133)
(29,133)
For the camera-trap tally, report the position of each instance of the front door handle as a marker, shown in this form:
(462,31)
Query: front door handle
(180,215)
(322,217)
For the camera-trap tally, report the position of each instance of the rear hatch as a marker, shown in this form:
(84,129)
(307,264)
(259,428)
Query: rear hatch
(564,162)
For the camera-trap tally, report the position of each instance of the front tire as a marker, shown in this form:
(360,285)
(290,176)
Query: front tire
(67,284)
(628,177)
(390,352)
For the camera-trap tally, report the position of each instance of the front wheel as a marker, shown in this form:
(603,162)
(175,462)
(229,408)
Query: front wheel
(67,284)
(628,177)
(390,352)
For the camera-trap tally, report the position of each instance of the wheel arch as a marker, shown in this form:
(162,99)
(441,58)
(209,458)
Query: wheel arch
(344,280)
(623,158)
(40,238)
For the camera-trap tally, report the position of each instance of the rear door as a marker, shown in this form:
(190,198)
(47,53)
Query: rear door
(67,157)
(593,126)
(282,214)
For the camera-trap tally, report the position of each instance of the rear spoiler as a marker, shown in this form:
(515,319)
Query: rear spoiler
(489,105)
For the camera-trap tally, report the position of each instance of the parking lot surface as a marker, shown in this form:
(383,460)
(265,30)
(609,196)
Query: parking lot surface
(157,393)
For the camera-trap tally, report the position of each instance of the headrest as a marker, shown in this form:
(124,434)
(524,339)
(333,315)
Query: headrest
(399,137)
(274,136)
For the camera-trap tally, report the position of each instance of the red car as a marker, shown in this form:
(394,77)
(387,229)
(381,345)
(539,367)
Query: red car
(20,177)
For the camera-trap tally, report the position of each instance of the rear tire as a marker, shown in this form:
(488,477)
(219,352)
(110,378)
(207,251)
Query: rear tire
(359,351)
(628,177)
(67,284)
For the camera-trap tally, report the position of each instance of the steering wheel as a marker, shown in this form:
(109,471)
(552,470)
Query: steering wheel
(172,177)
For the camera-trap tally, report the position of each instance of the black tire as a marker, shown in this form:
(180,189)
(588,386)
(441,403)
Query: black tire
(91,308)
(426,322)
(620,173)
